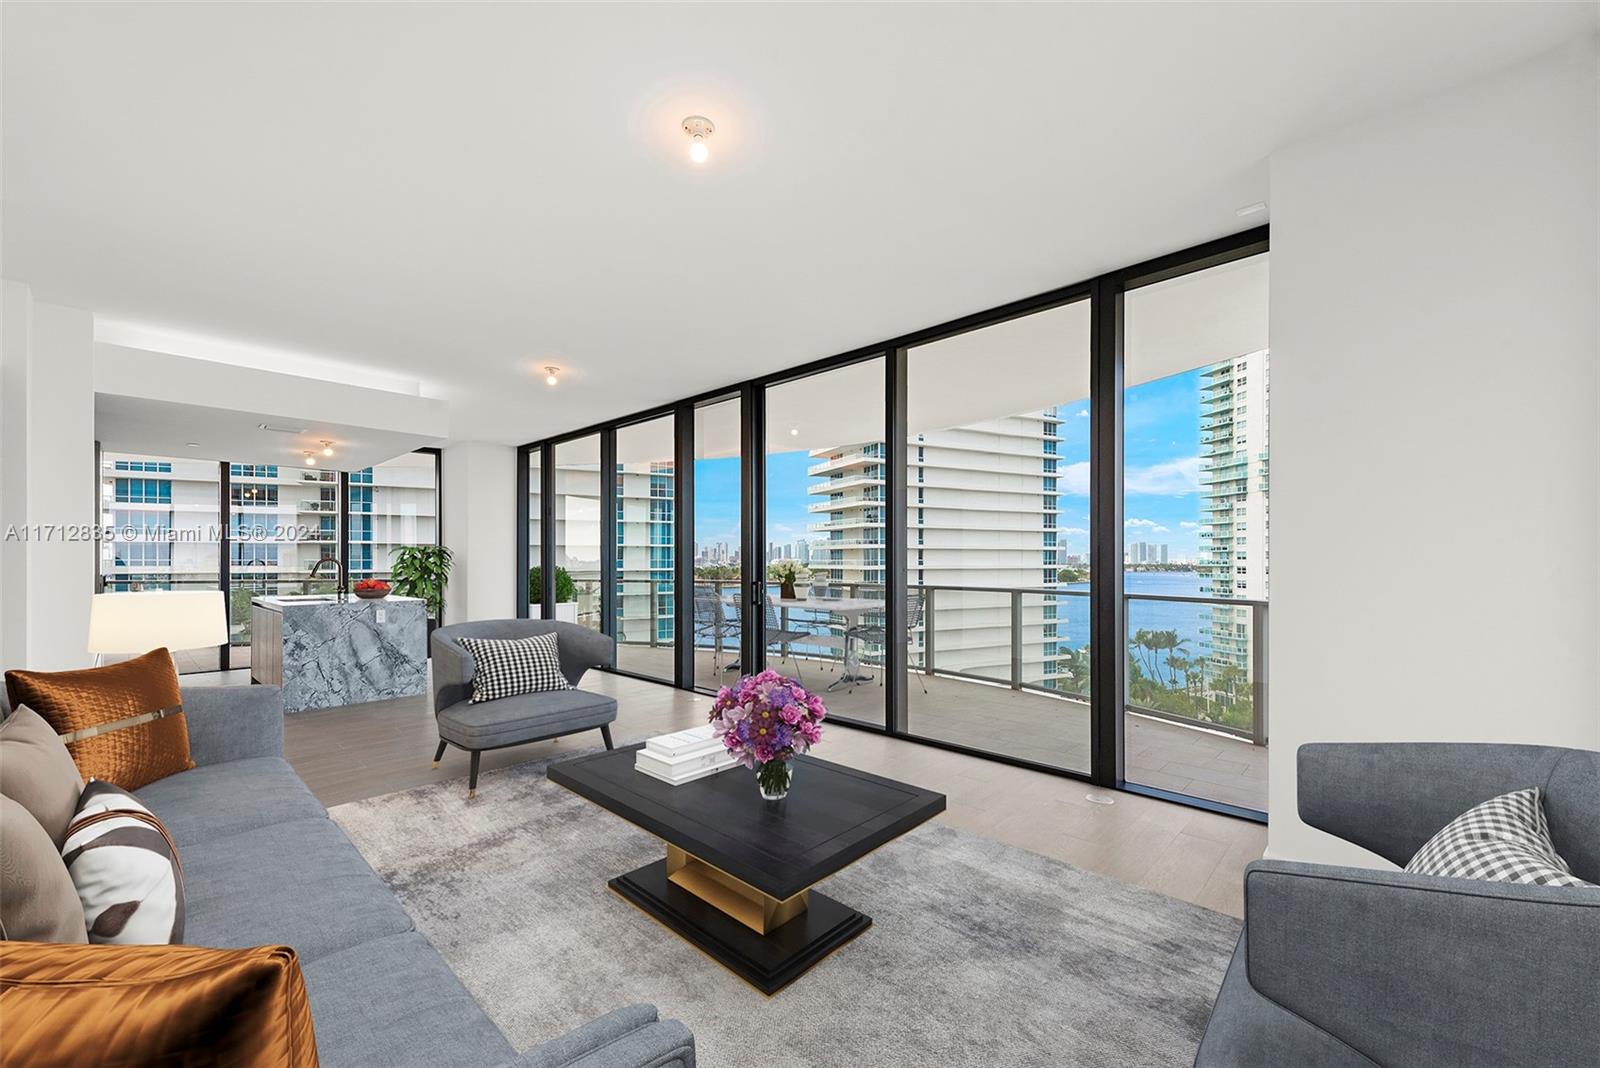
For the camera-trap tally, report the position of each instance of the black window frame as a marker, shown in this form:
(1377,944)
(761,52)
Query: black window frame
(1105,296)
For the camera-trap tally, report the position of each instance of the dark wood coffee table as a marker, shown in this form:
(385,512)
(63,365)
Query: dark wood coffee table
(737,877)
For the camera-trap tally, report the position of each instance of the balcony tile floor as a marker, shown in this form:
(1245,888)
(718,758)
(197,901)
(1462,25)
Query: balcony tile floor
(1031,726)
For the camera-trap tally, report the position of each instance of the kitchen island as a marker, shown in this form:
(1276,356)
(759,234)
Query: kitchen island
(331,650)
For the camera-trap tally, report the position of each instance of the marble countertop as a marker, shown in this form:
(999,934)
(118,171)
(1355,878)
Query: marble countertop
(327,600)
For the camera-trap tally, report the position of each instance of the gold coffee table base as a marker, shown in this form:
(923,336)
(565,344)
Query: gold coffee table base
(757,911)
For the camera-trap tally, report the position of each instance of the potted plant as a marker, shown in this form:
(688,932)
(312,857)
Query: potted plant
(566,594)
(423,571)
(786,574)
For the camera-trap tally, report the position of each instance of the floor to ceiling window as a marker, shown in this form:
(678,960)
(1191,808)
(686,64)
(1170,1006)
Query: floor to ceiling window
(535,516)
(997,537)
(1195,492)
(576,487)
(718,535)
(645,503)
(164,518)
(1036,533)
(174,527)
(392,505)
(826,473)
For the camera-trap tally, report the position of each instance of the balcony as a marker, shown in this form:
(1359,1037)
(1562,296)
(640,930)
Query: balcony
(839,463)
(319,506)
(1195,719)
(834,485)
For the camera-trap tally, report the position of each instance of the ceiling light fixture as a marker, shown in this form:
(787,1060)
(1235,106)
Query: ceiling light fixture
(698,128)
(794,432)
(191,444)
(282,429)
(311,459)
(327,448)
(550,375)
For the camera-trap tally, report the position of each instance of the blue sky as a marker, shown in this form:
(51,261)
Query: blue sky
(1160,490)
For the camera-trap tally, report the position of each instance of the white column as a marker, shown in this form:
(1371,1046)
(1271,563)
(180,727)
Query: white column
(1435,454)
(47,482)
(479,525)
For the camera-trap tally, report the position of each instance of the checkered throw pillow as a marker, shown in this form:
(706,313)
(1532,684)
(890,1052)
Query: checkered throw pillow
(504,668)
(1504,840)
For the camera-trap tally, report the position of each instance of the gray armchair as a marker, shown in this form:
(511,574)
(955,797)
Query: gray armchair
(524,718)
(1355,967)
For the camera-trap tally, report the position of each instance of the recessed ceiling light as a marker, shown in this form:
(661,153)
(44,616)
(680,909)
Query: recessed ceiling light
(699,129)
(550,375)
(191,444)
(794,432)
(1251,209)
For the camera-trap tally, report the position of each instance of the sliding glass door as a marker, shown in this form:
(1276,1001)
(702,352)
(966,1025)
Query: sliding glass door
(826,473)
(1195,574)
(997,538)
(718,601)
(577,490)
(646,570)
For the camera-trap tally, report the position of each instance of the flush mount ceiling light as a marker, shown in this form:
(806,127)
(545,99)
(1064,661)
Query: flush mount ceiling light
(311,459)
(327,448)
(191,444)
(699,129)
(794,432)
(550,375)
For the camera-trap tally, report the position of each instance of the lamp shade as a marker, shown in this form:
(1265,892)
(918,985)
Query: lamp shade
(139,622)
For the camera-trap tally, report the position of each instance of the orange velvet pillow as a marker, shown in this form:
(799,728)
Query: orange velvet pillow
(122,723)
(122,1006)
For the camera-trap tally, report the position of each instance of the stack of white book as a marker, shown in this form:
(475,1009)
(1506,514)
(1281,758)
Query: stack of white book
(684,756)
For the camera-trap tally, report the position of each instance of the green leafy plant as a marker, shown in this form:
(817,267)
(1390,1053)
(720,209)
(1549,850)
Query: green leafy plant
(566,589)
(423,571)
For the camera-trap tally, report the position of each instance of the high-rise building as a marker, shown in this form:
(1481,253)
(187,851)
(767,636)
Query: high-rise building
(981,507)
(166,514)
(1234,398)
(646,496)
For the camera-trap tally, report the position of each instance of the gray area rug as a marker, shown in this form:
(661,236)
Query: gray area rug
(979,953)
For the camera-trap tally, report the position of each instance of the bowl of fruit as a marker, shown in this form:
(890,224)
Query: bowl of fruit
(371,589)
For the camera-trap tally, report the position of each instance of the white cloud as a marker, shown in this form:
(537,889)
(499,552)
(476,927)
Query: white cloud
(1186,525)
(1073,480)
(1140,523)
(1068,532)
(1172,478)
(1083,413)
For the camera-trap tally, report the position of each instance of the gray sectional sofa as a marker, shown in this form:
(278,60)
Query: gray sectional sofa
(1357,968)
(263,864)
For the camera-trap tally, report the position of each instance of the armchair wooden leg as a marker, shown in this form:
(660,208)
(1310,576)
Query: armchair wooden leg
(439,755)
(605,732)
(472,775)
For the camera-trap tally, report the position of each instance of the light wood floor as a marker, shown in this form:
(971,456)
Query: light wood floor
(347,754)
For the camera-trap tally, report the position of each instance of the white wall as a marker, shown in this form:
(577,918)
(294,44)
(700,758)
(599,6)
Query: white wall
(479,525)
(47,478)
(1435,388)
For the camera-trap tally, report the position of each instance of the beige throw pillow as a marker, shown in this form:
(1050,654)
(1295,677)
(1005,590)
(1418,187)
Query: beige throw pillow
(38,902)
(37,772)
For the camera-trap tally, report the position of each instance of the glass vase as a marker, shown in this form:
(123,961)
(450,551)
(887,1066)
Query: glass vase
(772,779)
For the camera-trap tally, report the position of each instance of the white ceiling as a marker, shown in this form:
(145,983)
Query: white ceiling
(460,194)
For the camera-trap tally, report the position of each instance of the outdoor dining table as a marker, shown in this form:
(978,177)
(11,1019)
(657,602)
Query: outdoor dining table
(852,609)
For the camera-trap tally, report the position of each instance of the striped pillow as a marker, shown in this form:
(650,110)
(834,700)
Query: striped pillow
(125,867)
(502,668)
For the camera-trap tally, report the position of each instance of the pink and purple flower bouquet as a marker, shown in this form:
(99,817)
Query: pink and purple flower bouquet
(765,720)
